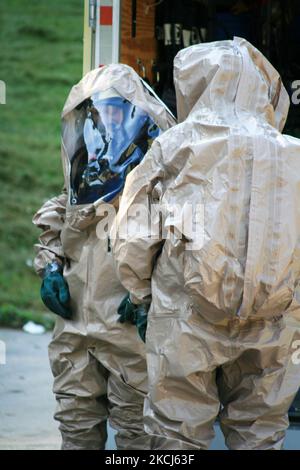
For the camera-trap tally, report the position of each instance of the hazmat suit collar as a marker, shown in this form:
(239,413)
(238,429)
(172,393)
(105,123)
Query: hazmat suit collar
(214,80)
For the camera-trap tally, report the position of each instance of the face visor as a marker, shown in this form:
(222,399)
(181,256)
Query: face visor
(116,135)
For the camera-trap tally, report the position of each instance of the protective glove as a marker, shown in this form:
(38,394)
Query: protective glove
(126,311)
(141,314)
(55,292)
(134,314)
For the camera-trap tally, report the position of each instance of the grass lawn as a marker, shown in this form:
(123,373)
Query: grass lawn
(41,58)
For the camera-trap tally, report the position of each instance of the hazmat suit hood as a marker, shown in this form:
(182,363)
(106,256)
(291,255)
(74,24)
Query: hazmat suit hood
(107,92)
(214,79)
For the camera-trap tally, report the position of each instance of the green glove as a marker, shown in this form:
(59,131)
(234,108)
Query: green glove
(126,311)
(134,314)
(55,292)
(141,320)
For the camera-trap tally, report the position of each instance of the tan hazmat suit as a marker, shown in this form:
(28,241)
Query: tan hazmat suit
(224,323)
(98,363)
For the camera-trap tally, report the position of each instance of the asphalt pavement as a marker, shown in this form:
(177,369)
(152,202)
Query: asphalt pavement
(27,403)
(26,399)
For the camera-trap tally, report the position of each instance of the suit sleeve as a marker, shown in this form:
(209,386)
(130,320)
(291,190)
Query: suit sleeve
(50,219)
(136,237)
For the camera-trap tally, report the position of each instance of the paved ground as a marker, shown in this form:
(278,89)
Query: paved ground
(27,403)
(26,399)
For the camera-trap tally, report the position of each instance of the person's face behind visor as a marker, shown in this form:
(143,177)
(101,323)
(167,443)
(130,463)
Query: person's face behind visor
(111,116)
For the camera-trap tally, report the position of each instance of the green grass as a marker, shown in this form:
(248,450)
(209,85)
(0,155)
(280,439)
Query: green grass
(16,317)
(41,58)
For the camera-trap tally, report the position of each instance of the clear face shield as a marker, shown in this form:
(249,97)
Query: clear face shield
(116,135)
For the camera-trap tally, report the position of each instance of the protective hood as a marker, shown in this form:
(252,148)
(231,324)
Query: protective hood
(228,77)
(108,123)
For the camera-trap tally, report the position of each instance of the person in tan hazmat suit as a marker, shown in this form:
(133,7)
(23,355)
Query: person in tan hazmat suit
(108,123)
(222,273)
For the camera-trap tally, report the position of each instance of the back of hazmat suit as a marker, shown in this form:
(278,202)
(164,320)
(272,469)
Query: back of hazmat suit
(221,256)
(108,123)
